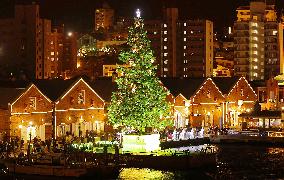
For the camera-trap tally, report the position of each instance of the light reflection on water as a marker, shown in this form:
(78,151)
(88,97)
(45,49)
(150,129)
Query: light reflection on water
(233,162)
(135,173)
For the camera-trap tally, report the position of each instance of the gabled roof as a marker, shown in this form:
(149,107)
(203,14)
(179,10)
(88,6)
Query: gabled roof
(8,95)
(54,88)
(225,84)
(104,86)
(185,86)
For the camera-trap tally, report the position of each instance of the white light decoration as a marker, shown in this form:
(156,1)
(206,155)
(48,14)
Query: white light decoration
(138,13)
(143,143)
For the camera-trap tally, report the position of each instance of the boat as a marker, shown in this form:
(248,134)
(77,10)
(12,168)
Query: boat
(57,168)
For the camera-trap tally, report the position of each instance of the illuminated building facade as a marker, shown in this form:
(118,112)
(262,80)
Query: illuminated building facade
(207,102)
(104,17)
(68,105)
(258,42)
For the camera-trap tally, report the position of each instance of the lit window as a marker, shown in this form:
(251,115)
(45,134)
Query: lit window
(255,59)
(184,69)
(165,69)
(165,32)
(191,32)
(184,24)
(184,39)
(165,54)
(52,59)
(184,32)
(185,75)
(255,67)
(184,47)
(165,61)
(165,25)
(52,53)
(165,39)
(165,47)
(255,38)
(255,52)
(184,54)
(155,32)
(254,24)
(255,45)
(185,61)
(274,33)
(51,42)
(255,74)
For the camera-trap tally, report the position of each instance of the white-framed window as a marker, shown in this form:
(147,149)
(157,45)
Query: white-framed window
(165,25)
(184,32)
(165,39)
(184,24)
(184,39)
(165,54)
(165,47)
(165,32)
(32,103)
(81,97)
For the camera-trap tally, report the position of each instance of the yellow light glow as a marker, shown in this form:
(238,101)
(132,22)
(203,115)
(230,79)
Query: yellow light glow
(20,126)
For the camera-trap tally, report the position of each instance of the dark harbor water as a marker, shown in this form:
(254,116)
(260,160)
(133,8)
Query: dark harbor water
(233,162)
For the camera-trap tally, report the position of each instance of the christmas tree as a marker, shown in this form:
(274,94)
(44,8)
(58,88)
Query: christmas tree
(140,100)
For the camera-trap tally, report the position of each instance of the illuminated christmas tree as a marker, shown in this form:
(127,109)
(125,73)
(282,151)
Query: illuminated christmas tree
(140,100)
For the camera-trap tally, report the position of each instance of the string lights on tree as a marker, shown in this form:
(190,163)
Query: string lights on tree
(140,100)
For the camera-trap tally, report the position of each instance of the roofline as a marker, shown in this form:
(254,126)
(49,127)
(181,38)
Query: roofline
(27,89)
(242,77)
(198,89)
(180,94)
(73,85)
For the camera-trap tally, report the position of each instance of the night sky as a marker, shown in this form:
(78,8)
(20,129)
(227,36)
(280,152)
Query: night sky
(77,14)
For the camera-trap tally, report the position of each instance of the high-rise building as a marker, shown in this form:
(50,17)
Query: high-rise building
(258,41)
(104,17)
(56,51)
(186,46)
(195,48)
(23,43)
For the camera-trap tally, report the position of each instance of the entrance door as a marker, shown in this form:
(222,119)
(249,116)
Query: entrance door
(31,133)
